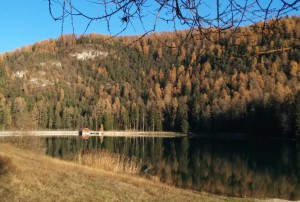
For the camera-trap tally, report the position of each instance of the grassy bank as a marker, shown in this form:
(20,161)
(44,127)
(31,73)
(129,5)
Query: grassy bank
(30,176)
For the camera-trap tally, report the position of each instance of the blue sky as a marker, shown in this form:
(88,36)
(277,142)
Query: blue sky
(25,22)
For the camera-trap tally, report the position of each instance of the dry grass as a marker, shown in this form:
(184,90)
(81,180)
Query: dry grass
(36,177)
(108,161)
(25,140)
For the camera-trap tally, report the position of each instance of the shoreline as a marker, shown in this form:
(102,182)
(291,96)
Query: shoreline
(47,133)
(28,180)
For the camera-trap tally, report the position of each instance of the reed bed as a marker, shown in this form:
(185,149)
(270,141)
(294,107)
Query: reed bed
(103,159)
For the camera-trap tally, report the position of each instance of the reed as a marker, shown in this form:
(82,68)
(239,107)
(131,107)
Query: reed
(103,159)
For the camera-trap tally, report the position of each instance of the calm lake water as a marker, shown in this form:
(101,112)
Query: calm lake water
(234,167)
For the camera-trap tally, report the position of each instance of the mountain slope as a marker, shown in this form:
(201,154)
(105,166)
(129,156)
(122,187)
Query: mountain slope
(248,83)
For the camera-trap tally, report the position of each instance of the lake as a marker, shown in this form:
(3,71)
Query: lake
(229,166)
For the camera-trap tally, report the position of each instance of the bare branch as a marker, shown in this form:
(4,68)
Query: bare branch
(203,17)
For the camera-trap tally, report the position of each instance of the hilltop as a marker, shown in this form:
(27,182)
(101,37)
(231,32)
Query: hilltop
(164,81)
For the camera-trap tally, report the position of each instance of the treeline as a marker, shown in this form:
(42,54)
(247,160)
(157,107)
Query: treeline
(248,83)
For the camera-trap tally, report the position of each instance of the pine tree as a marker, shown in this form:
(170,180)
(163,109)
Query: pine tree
(297,117)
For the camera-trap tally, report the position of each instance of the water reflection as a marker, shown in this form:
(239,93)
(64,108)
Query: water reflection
(252,168)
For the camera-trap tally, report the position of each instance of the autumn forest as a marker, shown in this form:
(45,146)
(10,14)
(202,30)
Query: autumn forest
(246,83)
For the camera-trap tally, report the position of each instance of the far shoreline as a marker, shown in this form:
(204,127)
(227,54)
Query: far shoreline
(48,133)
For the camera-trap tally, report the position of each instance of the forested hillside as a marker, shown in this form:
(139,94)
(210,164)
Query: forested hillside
(166,81)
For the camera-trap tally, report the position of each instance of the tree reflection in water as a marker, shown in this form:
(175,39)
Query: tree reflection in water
(252,168)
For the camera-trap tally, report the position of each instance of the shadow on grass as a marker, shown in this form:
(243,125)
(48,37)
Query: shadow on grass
(5,166)
(6,169)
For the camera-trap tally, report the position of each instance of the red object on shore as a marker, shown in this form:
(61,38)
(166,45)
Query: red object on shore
(84,132)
